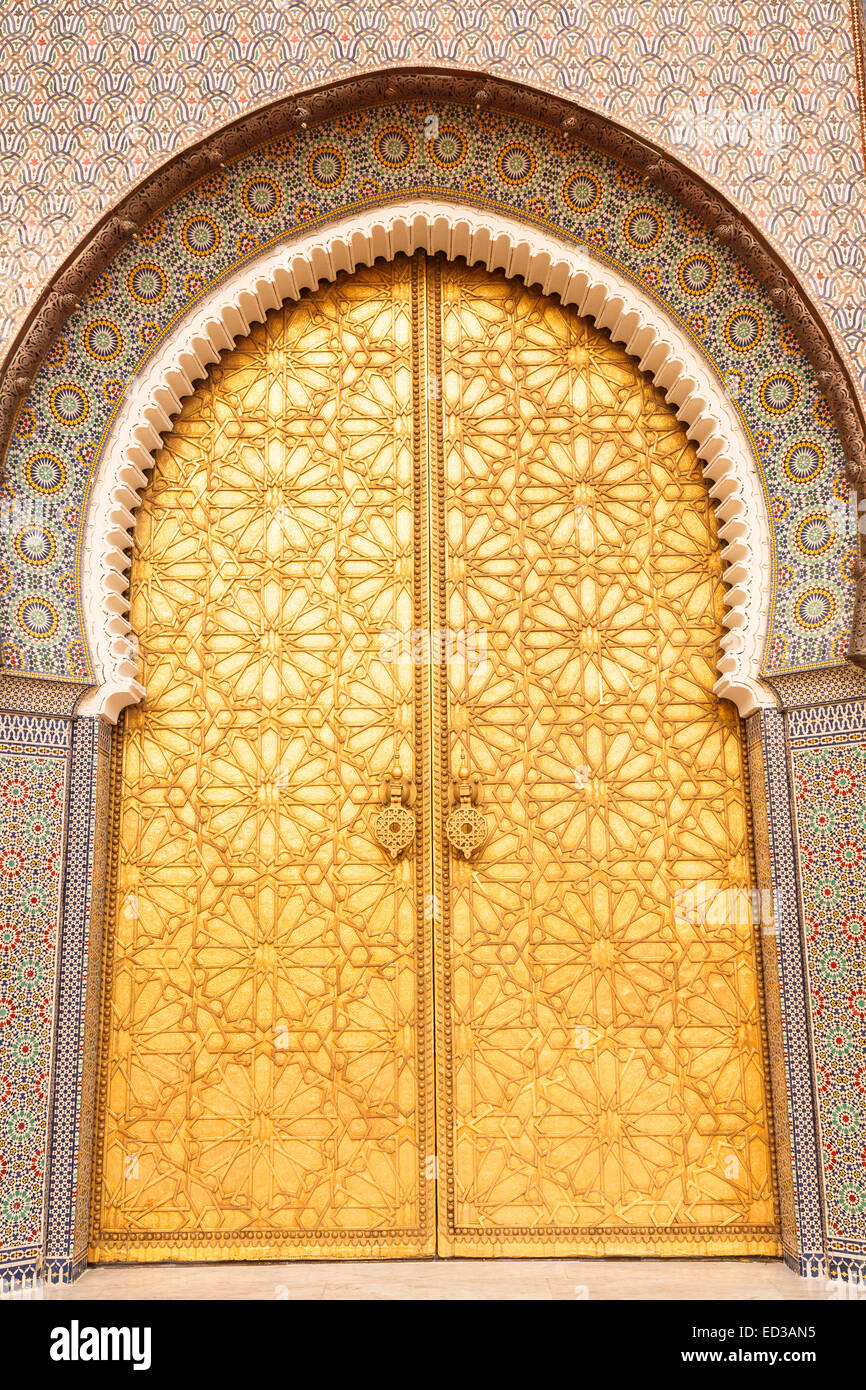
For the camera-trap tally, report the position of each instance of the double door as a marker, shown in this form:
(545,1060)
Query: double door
(407,952)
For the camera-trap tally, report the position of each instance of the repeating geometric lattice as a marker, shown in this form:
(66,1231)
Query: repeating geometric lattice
(269,1055)
(829,769)
(604,1077)
(267,1049)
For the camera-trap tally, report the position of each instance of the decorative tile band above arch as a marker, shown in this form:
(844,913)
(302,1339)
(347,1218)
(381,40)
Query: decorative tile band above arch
(371,157)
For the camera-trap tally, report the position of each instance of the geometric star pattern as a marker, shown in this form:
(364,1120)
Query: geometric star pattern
(604,1039)
(269,1059)
(829,767)
(266,1052)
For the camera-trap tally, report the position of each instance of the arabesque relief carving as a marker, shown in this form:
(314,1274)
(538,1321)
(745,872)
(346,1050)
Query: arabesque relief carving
(428,447)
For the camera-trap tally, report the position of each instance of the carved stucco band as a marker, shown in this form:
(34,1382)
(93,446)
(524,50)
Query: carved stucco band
(631,317)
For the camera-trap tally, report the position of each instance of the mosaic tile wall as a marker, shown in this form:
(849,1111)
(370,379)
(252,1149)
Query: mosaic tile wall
(366,159)
(54,777)
(761,97)
(33,779)
(828,756)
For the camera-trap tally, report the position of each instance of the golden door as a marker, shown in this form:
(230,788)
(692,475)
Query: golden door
(428,517)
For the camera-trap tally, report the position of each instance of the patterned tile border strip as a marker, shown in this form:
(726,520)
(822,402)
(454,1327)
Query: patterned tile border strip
(858,26)
(770,964)
(74,1080)
(831,685)
(828,720)
(793,999)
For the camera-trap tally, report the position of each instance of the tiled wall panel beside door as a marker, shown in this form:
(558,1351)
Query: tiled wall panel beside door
(34,763)
(74,1082)
(828,762)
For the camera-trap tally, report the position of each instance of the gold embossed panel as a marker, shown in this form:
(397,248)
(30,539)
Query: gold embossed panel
(435,451)
(601,1078)
(268,1039)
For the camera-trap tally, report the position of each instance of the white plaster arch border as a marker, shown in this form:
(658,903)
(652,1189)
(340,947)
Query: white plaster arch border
(633,319)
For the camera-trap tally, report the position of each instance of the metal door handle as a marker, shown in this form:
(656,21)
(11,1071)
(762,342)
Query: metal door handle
(394,827)
(466,828)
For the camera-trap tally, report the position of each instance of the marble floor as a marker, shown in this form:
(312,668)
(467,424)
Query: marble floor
(452,1279)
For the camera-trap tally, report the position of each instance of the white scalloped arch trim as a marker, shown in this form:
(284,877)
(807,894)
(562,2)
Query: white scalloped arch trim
(643,329)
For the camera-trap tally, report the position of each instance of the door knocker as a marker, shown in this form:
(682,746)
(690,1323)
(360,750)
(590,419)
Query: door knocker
(394,827)
(465,827)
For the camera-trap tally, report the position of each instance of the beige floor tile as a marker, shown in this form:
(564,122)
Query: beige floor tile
(603,1280)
